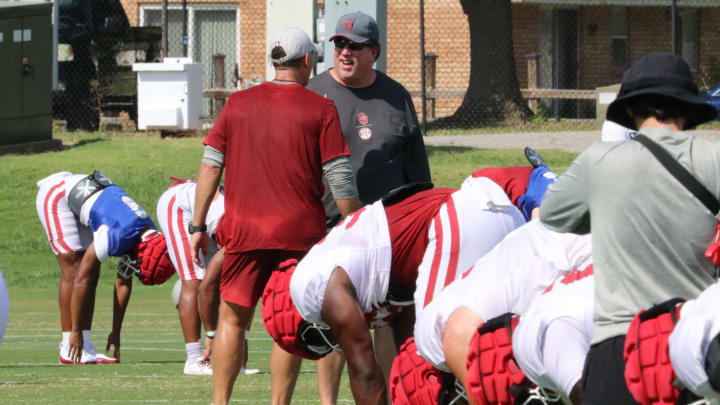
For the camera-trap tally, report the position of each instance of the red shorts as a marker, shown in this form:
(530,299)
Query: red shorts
(244,274)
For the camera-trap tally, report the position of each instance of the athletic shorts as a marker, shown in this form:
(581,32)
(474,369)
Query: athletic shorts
(63,229)
(603,380)
(244,274)
(475,219)
(173,220)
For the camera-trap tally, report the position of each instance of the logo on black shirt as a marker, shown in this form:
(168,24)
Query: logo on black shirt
(364,132)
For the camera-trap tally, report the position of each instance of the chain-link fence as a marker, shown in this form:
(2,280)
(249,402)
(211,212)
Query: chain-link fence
(508,63)
(96,49)
(484,63)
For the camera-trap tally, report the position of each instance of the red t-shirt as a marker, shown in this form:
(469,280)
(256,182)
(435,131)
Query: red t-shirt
(275,138)
(408,222)
(512,179)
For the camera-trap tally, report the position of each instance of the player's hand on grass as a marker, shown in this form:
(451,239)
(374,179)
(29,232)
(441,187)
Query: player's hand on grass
(113,341)
(76,347)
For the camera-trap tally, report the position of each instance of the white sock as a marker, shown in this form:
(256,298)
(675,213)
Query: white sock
(66,337)
(193,350)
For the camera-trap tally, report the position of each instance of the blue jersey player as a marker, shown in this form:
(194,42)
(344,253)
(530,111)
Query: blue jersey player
(88,218)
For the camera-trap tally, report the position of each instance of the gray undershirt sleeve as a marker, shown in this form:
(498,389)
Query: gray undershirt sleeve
(339,175)
(213,157)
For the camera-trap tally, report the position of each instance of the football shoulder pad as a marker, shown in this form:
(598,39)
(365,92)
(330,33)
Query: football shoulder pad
(491,367)
(649,374)
(414,381)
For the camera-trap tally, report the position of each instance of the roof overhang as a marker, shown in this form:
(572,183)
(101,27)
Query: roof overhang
(633,3)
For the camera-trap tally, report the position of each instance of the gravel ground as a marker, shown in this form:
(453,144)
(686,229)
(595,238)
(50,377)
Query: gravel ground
(575,141)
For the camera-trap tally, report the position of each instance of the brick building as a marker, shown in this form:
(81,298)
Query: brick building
(579,44)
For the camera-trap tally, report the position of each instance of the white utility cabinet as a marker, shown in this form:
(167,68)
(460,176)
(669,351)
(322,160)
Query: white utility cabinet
(170,94)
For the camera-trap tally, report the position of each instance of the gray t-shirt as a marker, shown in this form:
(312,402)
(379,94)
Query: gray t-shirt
(649,233)
(382,132)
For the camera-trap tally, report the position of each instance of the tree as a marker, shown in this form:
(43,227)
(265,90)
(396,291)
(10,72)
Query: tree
(493,93)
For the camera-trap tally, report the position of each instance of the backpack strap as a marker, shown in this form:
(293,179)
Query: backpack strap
(681,174)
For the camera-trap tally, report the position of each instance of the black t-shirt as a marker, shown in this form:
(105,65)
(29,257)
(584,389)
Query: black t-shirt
(382,132)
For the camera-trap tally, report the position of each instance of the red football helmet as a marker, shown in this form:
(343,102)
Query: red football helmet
(152,263)
(284,323)
(414,381)
(649,375)
(491,367)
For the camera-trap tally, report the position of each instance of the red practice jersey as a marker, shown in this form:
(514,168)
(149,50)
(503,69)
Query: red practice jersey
(275,139)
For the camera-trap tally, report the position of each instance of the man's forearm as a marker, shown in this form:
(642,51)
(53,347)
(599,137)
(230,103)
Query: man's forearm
(367,387)
(207,183)
(347,206)
(77,303)
(81,287)
(121,299)
(342,312)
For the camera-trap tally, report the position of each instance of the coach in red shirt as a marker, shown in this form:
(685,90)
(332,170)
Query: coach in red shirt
(275,142)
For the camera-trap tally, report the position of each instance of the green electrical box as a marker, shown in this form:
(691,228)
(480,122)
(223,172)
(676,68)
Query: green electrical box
(25,75)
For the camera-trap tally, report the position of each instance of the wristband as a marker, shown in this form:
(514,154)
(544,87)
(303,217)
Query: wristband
(210,334)
(200,228)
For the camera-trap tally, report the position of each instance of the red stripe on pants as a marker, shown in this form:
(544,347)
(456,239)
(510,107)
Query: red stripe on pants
(454,242)
(186,244)
(173,242)
(55,218)
(430,290)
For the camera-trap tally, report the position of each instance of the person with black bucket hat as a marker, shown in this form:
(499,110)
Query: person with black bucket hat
(650,232)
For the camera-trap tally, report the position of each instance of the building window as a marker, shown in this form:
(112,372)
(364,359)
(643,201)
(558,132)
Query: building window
(619,35)
(688,38)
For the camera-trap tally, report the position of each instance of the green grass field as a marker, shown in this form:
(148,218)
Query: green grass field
(152,346)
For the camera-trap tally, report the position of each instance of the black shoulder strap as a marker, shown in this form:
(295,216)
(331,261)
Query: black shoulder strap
(681,174)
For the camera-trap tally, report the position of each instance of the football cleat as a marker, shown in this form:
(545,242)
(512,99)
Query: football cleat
(249,371)
(198,367)
(86,358)
(101,358)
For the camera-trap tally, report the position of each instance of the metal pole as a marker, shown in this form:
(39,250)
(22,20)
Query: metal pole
(422,67)
(164,29)
(184,28)
(673,15)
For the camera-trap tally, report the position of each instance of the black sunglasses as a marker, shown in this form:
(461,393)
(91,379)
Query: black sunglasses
(341,43)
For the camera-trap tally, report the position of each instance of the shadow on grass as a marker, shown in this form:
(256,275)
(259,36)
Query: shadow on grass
(28,365)
(83,143)
(447,149)
(158,362)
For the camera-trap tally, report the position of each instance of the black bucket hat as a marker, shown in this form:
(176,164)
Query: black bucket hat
(666,75)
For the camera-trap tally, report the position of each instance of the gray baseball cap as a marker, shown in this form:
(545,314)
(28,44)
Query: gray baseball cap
(294,42)
(357,27)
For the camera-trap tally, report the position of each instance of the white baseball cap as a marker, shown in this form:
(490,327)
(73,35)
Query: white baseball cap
(294,42)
